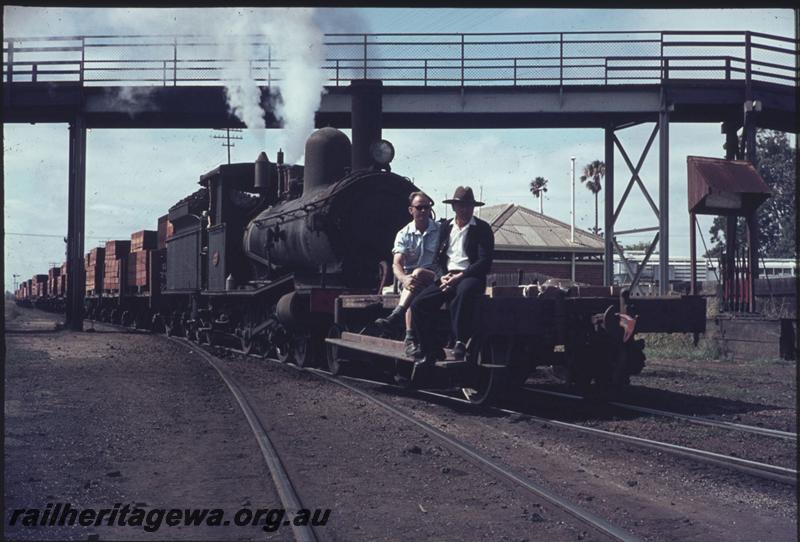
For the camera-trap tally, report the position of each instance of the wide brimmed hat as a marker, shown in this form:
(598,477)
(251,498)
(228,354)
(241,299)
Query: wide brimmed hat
(463,194)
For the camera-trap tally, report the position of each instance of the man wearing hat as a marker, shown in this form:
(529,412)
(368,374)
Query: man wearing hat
(466,247)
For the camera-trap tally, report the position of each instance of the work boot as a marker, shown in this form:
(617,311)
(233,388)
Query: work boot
(395,318)
(411,345)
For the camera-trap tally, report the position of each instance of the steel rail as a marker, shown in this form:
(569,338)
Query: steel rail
(754,468)
(459,447)
(475,456)
(700,420)
(289,499)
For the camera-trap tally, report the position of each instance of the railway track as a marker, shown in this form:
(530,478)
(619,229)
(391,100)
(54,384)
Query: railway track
(499,470)
(700,420)
(754,468)
(283,484)
(281,478)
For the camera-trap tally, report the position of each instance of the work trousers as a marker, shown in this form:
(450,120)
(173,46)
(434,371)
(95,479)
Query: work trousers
(426,304)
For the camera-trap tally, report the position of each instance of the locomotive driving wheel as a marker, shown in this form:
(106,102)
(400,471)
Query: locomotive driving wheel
(302,350)
(248,341)
(279,341)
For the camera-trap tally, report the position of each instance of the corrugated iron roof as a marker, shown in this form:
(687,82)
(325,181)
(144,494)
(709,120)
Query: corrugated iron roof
(518,227)
(715,175)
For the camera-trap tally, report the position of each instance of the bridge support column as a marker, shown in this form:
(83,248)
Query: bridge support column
(608,252)
(663,201)
(76,279)
(732,152)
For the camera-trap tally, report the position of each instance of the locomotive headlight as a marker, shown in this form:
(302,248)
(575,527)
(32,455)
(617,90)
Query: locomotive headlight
(382,152)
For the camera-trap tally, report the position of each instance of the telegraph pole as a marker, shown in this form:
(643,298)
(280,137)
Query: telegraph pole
(228,138)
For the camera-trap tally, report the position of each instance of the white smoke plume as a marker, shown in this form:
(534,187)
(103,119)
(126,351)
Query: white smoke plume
(241,89)
(295,36)
(298,43)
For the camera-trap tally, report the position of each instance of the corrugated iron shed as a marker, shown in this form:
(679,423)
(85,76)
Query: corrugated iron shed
(519,228)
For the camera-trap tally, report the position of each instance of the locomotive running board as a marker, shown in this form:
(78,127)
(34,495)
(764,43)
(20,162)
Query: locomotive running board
(282,283)
(388,348)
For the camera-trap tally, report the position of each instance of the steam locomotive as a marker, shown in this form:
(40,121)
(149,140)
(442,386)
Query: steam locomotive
(278,243)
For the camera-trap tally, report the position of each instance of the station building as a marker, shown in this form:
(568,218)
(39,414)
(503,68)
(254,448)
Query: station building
(539,246)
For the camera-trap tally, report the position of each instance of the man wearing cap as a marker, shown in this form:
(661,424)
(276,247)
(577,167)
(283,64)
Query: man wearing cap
(466,248)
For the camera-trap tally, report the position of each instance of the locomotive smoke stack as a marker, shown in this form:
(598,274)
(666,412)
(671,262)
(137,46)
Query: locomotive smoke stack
(365,119)
(280,157)
(262,171)
(327,158)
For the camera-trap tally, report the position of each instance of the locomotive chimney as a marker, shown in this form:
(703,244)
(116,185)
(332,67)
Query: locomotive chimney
(365,119)
(262,171)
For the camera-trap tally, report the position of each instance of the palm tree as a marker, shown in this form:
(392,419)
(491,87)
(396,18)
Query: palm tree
(593,172)
(538,187)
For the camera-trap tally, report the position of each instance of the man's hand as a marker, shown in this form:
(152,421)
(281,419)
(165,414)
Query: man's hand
(450,280)
(409,282)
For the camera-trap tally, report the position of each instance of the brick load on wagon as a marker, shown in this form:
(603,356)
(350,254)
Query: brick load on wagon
(53,275)
(62,281)
(144,240)
(144,270)
(95,265)
(115,265)
(39,285)
(164,231)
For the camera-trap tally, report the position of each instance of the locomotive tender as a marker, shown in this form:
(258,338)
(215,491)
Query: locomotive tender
(288,261)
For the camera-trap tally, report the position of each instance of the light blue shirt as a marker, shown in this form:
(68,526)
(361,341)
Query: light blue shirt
(419,248)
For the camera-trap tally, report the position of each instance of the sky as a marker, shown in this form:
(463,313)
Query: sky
(133,176)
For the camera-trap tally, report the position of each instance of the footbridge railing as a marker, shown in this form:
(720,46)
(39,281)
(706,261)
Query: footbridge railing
(512,59)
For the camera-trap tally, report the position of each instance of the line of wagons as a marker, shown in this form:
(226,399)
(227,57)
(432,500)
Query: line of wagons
(588,332)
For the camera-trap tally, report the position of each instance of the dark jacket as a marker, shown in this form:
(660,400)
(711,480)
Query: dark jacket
(479,247)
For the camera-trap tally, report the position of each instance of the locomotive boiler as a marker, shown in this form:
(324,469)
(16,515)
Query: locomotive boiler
(340,227)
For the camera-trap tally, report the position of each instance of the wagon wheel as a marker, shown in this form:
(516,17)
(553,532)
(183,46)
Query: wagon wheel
(332,351)
(157,324)
(204,336)
(191,331)
(489,381)
(171,325)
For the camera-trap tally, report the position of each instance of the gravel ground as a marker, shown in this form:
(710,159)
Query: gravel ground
(654,495)
(98,418)
(105,417)
(95,419)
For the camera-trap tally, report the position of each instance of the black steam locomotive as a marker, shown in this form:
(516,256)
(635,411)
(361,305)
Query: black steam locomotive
(262,250)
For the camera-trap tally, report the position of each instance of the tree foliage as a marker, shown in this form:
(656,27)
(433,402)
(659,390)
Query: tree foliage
(641,245)
(538,186)
(777,217)
(593,173)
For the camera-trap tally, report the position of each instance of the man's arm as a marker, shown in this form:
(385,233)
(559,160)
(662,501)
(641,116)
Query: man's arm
(481,266)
